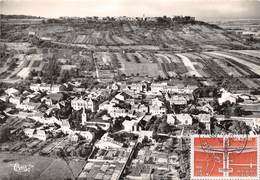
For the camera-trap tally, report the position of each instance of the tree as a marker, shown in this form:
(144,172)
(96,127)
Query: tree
(32,74)
(117,126)
(163,127)
(52,72)
(65,111)
(239,127)
(238,111)
(170,143)
(4,134)
(65,76)
(159,78)
(145,140)
(3,105)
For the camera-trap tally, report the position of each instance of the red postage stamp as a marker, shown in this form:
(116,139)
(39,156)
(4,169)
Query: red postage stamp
(225,157)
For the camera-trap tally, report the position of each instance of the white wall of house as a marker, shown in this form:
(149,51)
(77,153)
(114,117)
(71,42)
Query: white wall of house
(86,134)
(79,103)
(157,110)
(32,133)
(184,119)
(170,119)
(25,107)
(46,87)
(14,100)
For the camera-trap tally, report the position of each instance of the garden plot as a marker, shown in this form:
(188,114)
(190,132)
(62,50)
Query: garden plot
(80,39)
(27,63)
(170,65)
(198,35)
(148,35)
(21,64)
(35,64)
(209,47)
(164,38)
(70,38)
(93,38)
(67,38)
(24,73)
(122,40)
(248,58)
(141,58)
(198,64)
(257,81)
(162,70)
(137,39)
(132,68)
(189,65)
(169,35)
(84,39)
(173,37)
(211,68)
(164,58)
(121,60)
(178,67)
(138,47)
(184,43)
(22,61)
(108,38)
(133,27)
(55,29)
(18,46)
(100,41)
(126,27)
(97,36)
(149,57)
(210,34)
(253,67)
(193,37)
(62,53)
(106,58)
(172,58)
(32,61)
(254,53)
(228,66)
(135,57)
(88,39)
(249,83)
(103,58)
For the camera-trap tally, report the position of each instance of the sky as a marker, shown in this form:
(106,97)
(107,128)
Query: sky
(83,8)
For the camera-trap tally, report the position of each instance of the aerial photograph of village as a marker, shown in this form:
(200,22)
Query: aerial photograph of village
(129,90)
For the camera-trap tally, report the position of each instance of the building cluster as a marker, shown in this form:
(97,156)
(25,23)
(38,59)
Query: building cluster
(131,19)
(154,162)
(130,130)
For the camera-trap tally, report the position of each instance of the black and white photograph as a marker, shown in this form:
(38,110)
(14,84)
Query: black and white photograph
(129,89)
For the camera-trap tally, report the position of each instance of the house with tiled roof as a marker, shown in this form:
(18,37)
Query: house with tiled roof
(80,103)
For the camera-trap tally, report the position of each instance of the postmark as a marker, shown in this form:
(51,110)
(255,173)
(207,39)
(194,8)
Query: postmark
(225,157)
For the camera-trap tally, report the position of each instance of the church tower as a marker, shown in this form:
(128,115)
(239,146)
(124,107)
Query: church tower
(83,117)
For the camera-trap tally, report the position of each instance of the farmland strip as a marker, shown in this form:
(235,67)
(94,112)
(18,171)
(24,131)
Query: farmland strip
(253,67)
(189,65)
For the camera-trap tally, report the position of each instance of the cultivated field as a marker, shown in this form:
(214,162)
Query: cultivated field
(113,48)
(167,64)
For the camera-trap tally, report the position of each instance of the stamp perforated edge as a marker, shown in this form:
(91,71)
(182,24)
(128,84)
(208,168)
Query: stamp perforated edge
(222,178)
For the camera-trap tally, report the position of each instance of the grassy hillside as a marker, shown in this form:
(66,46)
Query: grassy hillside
(140,35)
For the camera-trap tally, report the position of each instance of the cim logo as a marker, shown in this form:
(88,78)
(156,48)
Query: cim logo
(22,168)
